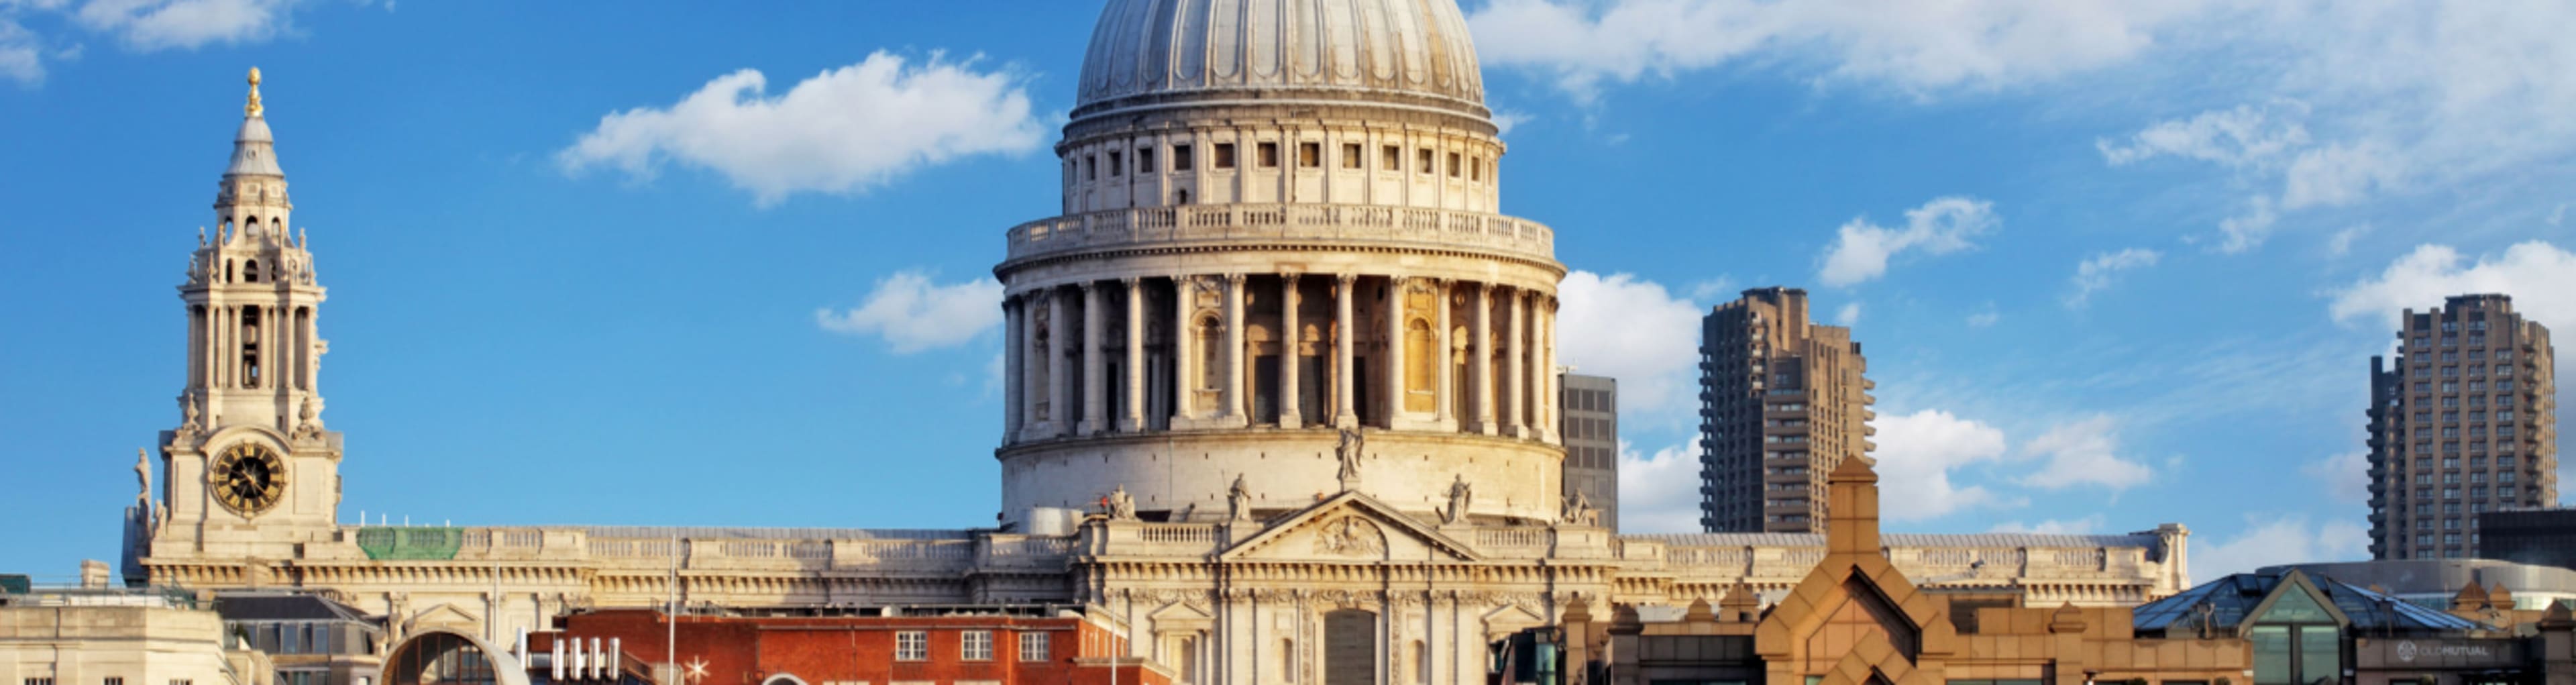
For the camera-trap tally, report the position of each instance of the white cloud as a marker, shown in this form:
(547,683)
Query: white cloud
(1506,120)
(1912,45)
(2276,539)
(2244,136)
(1920,451)
(2341,243)
(1632,330)
(2084,452)
(2540,276)
(1848,315)
(160,24)
(1985,317)
(1944,225)
(2559,215)
(2346,476)
(1714,289)
(842,131)
(2096,272)
(2078,526)
(2247,230)
(913,314)
(2339,174)
(21,54)
(1658,493)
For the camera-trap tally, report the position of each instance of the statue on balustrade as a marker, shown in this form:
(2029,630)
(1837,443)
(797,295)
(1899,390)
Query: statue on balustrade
(1460,495)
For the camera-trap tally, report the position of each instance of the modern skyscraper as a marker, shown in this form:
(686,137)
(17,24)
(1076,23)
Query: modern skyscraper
(1591,433)
(2461,423)
(1782,401)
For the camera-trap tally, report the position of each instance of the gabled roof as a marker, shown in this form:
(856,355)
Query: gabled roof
(2233,598)
(1363,505)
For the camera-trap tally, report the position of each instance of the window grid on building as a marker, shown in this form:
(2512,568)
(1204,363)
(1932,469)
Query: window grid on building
(975,645)
(1033,646)
(911,645)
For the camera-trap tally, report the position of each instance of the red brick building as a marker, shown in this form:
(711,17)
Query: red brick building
(963,646)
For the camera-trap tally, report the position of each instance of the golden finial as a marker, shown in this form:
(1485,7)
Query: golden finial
(253,108)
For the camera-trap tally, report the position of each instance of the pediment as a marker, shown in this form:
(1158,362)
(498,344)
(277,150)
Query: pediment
(1349,527)
(447,616)
(1511,618)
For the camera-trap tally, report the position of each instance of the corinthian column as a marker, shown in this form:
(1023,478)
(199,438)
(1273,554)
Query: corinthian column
(1234,399)
(1441,395)
(1516,367)
(1095,366)
(1289,340)
(1059,371)
(1395,368)
(1343,415)
(1480,368)
(1184,381)
(1013,343)
(1133,418)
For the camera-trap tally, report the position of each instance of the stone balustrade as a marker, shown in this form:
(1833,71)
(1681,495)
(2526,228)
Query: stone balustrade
(725,549)
(1288,222)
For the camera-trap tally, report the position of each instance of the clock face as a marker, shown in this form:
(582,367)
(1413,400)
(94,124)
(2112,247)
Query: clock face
(249,478)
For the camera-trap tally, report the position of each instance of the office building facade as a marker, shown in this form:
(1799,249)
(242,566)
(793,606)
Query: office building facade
(1591,432)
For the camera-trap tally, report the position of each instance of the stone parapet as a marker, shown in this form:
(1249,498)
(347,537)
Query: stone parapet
(1230,225)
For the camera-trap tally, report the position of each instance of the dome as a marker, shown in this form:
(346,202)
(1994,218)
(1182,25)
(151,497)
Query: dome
(1399,51)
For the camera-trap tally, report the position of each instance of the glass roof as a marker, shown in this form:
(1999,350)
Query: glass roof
(2228,599)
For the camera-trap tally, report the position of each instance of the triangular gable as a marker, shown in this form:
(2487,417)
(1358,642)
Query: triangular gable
(443,616)
(1784,632)
(1510,618)
(2294,581)
(1180,616)
(1349,524)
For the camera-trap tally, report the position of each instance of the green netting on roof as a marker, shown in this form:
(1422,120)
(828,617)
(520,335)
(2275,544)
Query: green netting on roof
(408,543)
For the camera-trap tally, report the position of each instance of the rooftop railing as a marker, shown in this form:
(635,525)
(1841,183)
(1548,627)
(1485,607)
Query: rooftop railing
(1285,222)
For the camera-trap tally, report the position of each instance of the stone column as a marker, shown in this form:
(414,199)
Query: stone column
(1290,340)
(1095,365)
(1444,396)
(1480,369)
(1033,392)
(1133,419)
(1343,415)
(1551,400)
(1516,367)
(1014,345)
(1059,382)
(1234,353)
(1395,369)
(1184,383)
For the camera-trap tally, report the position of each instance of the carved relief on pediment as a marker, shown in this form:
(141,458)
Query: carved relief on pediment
(1351,536)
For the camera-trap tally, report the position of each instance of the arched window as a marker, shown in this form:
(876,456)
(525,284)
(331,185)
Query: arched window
(1421,350)
(1211,343)
(1288,659)
(250,271)
(442,658)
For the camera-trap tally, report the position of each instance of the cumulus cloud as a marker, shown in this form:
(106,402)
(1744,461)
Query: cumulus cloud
(1633,330)
(2540,276)
(842,131)
(186,24)
(2244,136)
(2341,243)
(2077,526)
(2096,272)
(21,55)
(2346,476)
(1848,315)
(2276,539)
(1915,46)
(912,314)
(2083,452)
(1658,493)
(1985,317)
(1944,225)
(1921,450)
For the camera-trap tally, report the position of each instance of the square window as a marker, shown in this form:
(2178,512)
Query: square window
(911,645)
(1453,165)
(1310,155)
(1181,157)
(1422,162)
(1225,155)
(1034,647)
(1269,155)
(1145,160)
(1091,168)
(1117,162)
(1476,170)
(975,645)
(1350,155)
(1392,158)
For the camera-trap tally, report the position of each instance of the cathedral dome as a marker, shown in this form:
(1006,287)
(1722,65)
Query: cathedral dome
(1396,51)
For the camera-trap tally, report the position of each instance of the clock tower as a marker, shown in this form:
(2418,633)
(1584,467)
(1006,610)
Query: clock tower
(251,473)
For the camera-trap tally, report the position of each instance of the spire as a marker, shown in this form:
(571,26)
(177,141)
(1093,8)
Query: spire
(254,151)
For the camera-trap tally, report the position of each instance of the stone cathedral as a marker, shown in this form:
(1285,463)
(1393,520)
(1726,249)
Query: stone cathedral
(1281,398)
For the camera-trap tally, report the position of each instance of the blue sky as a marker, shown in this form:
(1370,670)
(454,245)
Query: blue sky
(676,263)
